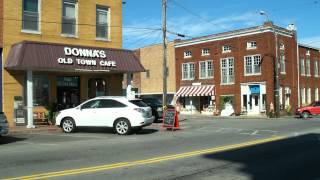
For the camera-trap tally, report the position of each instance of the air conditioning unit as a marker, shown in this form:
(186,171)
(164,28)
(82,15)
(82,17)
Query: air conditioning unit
(287,91)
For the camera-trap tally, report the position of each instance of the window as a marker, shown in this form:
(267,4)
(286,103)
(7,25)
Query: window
(282,64)
(147,74)
(309,95)
(40,90)
(227,71)
(316,94)
(102,22)
(282,46)
(188,71)
(69,20)
(226,49)
(308,66)
(30,15)
(302,68)
(110,103)
(253,65)
(187,54)
(280,96)
(91,104)
(316,68)
(96,87)
(206,69)
(303,96)
(205,52)
(252,45)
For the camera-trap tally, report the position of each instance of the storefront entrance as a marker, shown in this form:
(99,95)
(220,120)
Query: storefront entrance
(253,98)
(68,91)
(254,104)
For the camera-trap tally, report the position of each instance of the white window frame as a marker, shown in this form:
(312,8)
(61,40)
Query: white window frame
(76,4)
(229,62)
(316,68)
(303,96)
(207,70)
(251,45)
(187,54)
(308,69)
(309,95)
(316,94)
(302,67)
(107,10)
(39,20)
(281,95)
(205,52)
(253,64)
(282,63)
(282,47)
(190,71)
(226,49)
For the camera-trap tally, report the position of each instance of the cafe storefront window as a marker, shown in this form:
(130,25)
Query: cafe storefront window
(40,90)
(97,87)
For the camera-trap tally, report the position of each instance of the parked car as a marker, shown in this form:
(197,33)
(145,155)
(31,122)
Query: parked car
(310,110)
(119,113)
(4,127)
(156,106)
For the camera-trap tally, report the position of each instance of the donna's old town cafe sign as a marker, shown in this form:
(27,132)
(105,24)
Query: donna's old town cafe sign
(85,57)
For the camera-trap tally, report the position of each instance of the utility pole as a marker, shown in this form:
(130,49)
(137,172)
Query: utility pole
(276,78)
(164,63)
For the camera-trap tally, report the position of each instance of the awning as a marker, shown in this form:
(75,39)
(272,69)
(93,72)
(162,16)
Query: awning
(40,56)
(203,90)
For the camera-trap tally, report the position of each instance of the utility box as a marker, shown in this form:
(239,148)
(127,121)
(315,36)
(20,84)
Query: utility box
(19,111)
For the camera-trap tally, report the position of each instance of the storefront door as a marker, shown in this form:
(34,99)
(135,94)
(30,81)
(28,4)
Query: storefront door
(254,103)
(68,91)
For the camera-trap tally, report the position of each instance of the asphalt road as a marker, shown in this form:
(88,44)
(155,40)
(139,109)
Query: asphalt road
(204,148)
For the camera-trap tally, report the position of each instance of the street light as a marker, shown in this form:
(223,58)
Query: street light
(276,68)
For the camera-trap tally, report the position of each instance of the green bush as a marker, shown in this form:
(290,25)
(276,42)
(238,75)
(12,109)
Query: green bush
(224,100)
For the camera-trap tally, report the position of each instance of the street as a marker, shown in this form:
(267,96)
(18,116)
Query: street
(204,148)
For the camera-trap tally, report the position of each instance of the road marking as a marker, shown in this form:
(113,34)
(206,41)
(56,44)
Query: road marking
(146,161)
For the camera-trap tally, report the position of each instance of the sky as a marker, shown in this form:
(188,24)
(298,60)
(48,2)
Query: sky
(142,19)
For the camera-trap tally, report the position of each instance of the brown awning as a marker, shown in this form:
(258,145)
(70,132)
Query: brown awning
(40,56)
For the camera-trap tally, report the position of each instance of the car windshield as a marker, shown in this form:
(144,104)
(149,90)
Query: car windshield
(139,103)
(152,101)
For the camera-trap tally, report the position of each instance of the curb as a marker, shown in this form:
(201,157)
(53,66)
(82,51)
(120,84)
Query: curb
(40,129)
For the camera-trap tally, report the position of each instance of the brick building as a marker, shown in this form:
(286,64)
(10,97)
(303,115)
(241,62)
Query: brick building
(238,68)
(60,53)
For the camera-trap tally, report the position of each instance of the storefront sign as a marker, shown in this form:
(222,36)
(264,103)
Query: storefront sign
(85,53)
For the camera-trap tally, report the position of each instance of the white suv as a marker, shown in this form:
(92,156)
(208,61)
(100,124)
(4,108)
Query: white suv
(117,112)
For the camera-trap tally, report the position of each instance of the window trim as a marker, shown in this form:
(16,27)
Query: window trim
(75,2)
(228,49)
(228,79)
(316,68)
(252,65)
(28,31)
(108,10)
(185,54)
(205,54)
(302,62)
(249,45)
(188,71)
(206,69)
(308,68)
(284,63)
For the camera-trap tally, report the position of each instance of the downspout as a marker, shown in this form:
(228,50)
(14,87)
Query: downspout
(298,64)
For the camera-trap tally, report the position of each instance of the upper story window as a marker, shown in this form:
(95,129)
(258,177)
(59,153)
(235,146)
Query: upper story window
(69,17)
(252,65)
(226,49)
(206,69)
(281,47)
(188,71)
(252,45)
(316,68)
(187,54)
(30,15)
(302,68)
(282,63)
(102,22)
(205,52)
(308,73)
(227,70)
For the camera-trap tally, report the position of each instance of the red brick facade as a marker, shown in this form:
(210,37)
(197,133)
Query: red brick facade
(265,42)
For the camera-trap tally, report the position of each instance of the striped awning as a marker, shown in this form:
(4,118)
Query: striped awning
(203,90)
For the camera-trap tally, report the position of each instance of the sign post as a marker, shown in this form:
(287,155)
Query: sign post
(170,118)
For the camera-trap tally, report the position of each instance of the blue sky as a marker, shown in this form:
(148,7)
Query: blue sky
(142,18)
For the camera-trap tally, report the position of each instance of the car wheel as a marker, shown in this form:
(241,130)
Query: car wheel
(305,115)
(68,125)
(122,126)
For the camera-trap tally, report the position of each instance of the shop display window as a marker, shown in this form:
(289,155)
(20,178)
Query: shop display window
(40,90)
(97,87)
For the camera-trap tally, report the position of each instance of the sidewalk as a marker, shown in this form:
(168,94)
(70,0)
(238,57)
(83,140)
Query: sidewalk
(37,129)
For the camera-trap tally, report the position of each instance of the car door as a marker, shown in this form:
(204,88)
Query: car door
(317,108)
(109,111)
(87,115)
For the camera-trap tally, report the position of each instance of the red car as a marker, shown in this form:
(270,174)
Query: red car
(307,111)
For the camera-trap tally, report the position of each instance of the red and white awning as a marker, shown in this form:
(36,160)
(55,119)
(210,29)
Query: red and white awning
(203,90)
